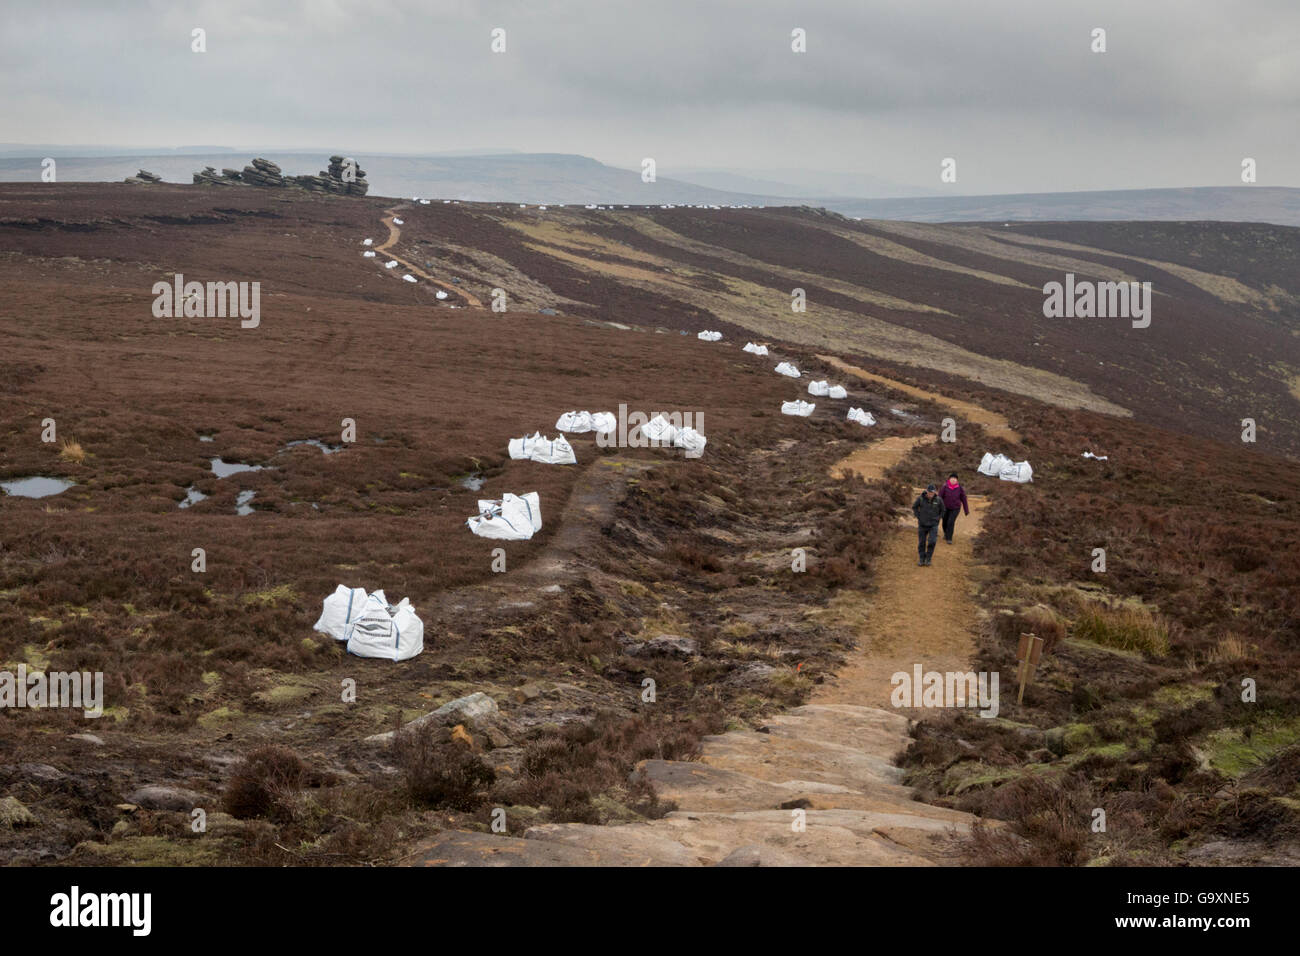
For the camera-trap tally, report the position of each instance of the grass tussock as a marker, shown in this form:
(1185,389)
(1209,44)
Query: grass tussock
(71,451)
(1125,629)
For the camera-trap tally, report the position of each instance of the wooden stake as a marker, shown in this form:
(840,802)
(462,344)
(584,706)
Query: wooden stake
(1028,653)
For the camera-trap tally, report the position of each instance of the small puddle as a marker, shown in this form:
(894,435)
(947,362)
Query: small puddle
(224,469)
(192,497)
(242,506)
(473,482)
(315,443)
(37,486)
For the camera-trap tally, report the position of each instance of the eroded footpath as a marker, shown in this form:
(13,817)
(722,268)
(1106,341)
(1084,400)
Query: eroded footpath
(815,786)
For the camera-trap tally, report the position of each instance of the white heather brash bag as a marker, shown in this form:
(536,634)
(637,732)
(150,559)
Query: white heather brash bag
(860,416)
(339,610)
(1019,471)
(690,440)
(708,336)
(797,407)
(603,422)
(755,349)
(837,391)
(394,633)
(788,370)
(992,465)
(548,452)
(659,429)
(513,518)
(523,447)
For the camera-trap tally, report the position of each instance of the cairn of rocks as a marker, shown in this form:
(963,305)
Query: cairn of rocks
(263,172)
(143,177)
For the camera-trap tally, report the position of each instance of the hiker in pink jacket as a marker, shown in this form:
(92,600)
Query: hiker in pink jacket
(954,500)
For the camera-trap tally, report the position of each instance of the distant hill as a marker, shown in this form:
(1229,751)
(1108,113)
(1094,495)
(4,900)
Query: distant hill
(1275,204)
(572,179)
(506,177)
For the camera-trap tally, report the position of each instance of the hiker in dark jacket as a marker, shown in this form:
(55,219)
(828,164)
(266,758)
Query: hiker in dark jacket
(928,508)
(954,500)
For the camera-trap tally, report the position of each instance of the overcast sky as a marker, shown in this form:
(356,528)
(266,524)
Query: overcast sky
(1009,88)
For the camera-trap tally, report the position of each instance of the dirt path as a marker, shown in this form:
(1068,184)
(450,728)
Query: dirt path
(917,615)
(995,424)
(394,234)
(816,786)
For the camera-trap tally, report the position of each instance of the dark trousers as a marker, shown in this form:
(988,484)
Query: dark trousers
(927,536)
(950,521)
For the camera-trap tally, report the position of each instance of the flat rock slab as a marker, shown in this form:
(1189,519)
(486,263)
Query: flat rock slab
(464,848)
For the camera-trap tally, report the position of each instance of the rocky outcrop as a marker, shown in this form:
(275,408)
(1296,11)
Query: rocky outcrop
(343,177)
(143,177)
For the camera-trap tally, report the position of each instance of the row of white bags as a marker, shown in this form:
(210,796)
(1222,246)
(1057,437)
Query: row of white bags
(512,518)
(579,422)
(1000,466)
(710,336)
(371,626)
(538,448)
(755,349)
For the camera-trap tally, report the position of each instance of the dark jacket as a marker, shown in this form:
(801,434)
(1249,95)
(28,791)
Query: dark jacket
(954,497)
(928,511)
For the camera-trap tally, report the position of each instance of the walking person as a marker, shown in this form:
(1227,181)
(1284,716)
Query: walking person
(954,500)
(928,508)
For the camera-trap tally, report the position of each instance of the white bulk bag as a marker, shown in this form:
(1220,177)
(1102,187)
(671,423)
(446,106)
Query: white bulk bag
(818,388)
(755,349)
(523,447)
(660,430)
(992,465)
(1018,471)
(710,336)
(393,633)
(837,391)
(603,422)
(513,518)
(409,278)
(797,407)
(690,440)
(860,416)
(390,264)
(548,452)
(788,370)
(398,222)
(368,254)
(339,610)
(576,422)
(367,242)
